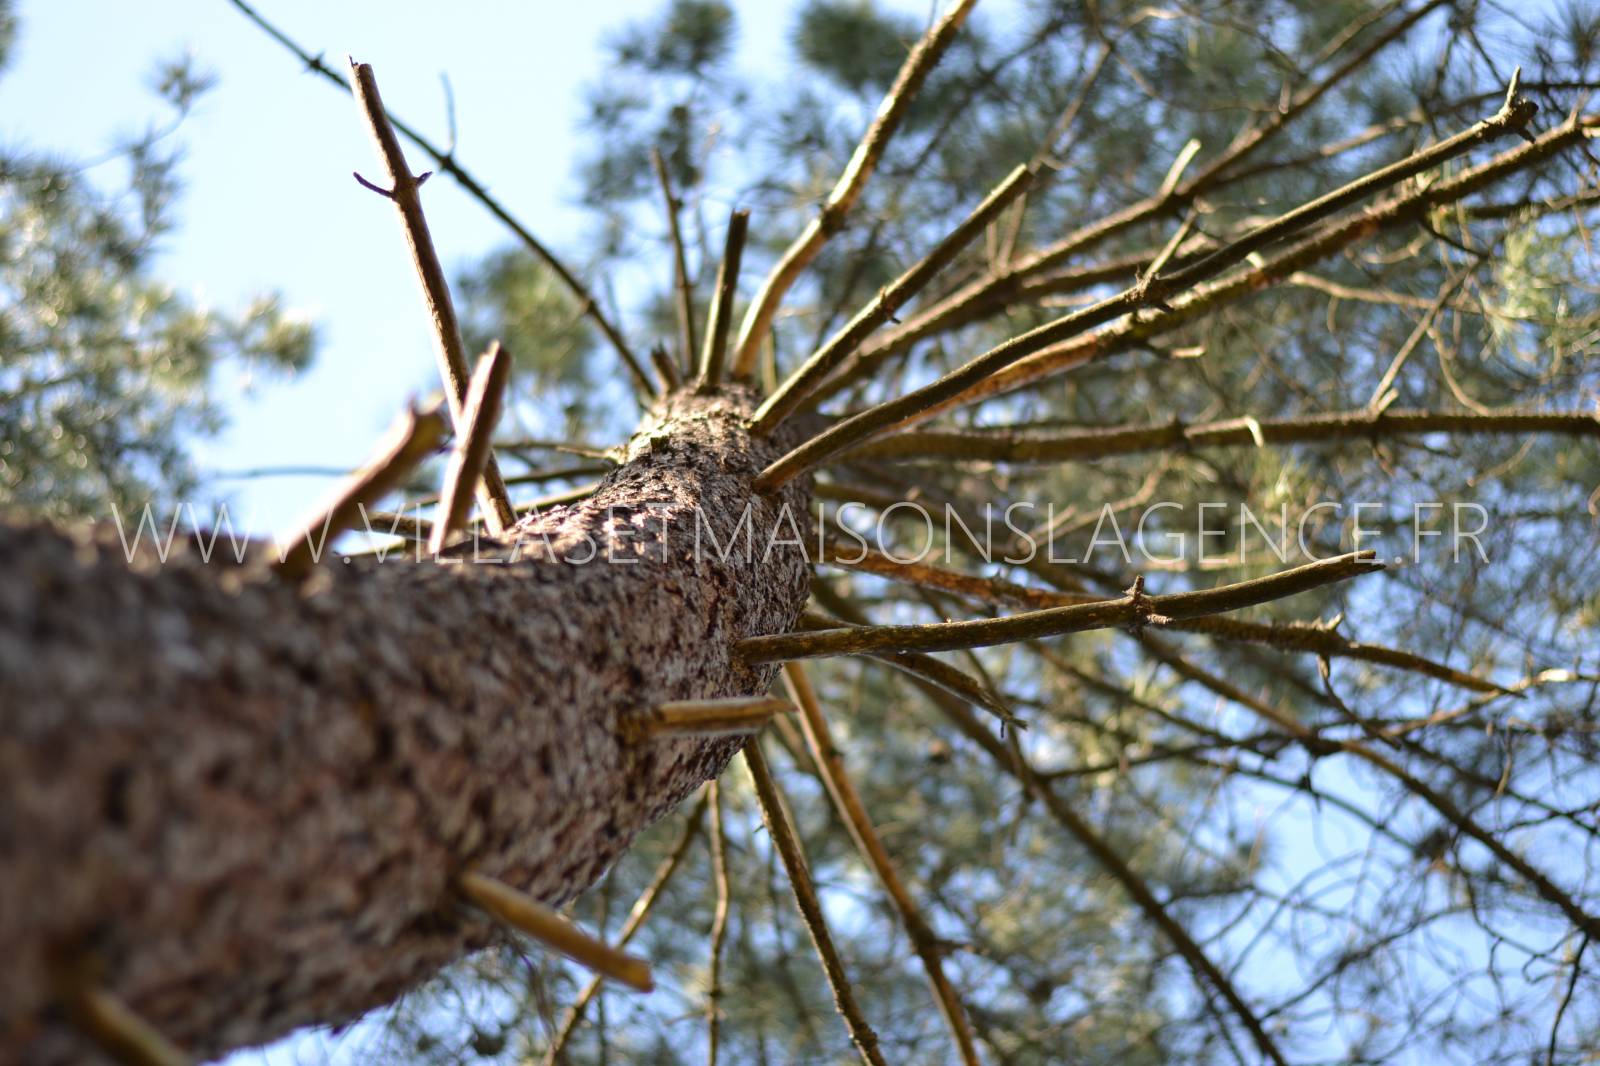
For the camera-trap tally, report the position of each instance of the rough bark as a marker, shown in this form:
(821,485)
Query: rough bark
(242,803)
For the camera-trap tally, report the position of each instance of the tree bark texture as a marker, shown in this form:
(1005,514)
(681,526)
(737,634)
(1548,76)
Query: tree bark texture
(240,804)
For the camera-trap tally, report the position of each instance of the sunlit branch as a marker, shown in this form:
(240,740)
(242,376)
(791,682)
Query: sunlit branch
(713,354)
(1079,445)
(1150,291)
(472,452)
(414,437)
(831,218)
(891,298)
(403,191)
(1134,609)
(636,919)
(680,265)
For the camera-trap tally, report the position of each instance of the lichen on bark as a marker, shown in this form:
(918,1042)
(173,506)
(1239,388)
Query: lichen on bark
(242,802)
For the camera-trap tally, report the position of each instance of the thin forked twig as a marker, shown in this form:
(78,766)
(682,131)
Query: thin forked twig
(1134,609)
(805,895)
(890,299)
(472,450)
(680,265)
(1513,116)
(447,346)
(636,919)
(524,913)
(444,159)
(830,219)
(853,813)
(714,352)
(413,438)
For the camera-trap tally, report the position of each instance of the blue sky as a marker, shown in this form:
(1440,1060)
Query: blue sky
(270,203)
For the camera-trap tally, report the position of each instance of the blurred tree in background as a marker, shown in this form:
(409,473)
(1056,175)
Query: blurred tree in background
(106,373)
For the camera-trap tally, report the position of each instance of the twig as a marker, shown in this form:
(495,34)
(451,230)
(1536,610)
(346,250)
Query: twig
(830,219)
(890,299)
(852,812)
(410,441)
(1513,116)
(1011,446)
(1381,396)
(523,912)
(680,265)
(118,1031)
(1134,609)
(702,718)
(925,669)
(713,353)
(810,907)
(1318,745)
(472,451)
(719,925)
(636,919)
(445,161)
(1566,1000)
(402,191)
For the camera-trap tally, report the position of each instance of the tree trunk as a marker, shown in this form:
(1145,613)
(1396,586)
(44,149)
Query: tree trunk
(241,804)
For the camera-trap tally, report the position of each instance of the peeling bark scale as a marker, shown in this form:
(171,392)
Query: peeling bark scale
(242,804)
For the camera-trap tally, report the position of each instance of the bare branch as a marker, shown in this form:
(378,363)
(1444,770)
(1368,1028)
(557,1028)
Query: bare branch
(410,441)
(447,344)
(472,451)
(524,913)
(445,160)
(890,299)
(719,924)
(119,1032)
(714,353)
(636,919)
(805,895)
(853,813)
(680,265)
(703,718)
(1011,446)
(758,319)
(1149,291)
(1009,760)
(1398,211)
(1134,609)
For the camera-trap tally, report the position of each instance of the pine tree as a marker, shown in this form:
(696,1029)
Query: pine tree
(1200,804)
